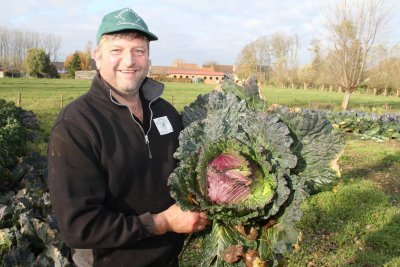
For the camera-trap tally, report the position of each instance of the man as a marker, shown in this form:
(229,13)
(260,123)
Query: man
(109,157)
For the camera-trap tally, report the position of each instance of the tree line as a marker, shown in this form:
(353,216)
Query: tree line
(31,53)
(15,44)
(351,58)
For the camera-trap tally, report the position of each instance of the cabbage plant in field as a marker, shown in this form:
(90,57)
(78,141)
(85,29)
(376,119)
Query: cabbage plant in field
(28,231)
(250,170)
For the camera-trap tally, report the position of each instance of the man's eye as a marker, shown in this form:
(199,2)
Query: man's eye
(139,52)
(115,51)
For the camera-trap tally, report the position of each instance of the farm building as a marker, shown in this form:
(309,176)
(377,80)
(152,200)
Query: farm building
(206,74)
(61,69)
(179,71)
(85,74)
(185,71)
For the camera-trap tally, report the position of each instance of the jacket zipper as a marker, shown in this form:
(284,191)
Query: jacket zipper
(145,134)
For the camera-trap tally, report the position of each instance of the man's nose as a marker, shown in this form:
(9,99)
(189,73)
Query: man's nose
(129,58)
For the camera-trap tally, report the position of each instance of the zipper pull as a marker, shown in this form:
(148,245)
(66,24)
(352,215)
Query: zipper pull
(146,140)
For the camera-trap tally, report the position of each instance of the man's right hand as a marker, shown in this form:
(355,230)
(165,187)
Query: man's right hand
(174,219)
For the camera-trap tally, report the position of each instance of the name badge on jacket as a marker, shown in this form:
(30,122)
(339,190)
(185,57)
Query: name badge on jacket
(163,125)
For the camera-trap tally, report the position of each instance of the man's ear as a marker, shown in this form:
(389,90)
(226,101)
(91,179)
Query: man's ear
(97,57)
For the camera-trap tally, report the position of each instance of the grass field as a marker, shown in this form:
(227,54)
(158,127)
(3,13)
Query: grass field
(46,97)
(357,224)
(45,94)
(331,100)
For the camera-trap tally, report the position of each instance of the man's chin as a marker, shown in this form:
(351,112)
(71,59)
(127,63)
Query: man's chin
(129,92)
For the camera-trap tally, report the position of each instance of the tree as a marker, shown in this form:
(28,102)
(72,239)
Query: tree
(210,64)
(353,27)
(263,58)
(384,74)
(316,62)
(247,62)
(37,63)
(14,45)
(53,73)
(284,50)
(73,63)
(85,57)
(275,54)
(84,60)
(307,75)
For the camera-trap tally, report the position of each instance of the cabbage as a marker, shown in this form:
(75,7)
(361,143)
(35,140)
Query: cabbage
(250,171)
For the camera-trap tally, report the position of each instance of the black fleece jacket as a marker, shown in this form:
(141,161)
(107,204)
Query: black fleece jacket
(105,181)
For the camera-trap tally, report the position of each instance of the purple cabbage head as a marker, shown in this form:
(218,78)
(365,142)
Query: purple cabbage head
(228,179)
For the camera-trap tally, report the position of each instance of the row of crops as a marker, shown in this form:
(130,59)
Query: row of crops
(28,235)
(28,230)
(367,125)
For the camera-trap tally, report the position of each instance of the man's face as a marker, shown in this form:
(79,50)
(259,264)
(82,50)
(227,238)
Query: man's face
(123,63)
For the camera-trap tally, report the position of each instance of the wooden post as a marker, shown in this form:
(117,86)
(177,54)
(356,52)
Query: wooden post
(62,101)
(19,99)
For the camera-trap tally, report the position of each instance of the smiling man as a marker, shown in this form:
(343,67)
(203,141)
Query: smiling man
(110,155)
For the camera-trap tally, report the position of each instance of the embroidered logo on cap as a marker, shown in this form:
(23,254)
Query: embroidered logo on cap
(122,20)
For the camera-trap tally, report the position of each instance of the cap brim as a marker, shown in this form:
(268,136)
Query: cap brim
(149,35)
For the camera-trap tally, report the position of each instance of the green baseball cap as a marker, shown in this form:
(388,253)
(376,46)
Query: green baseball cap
(123,19)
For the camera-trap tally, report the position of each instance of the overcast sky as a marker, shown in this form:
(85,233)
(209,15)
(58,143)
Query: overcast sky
(195,31)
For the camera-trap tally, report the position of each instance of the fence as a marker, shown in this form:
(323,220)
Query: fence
(57,102)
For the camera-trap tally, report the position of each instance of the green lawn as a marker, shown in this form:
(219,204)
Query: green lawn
(357,224)
(331,100)
(46,97)
(46,94)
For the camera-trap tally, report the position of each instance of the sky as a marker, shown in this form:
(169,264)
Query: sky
(197,31)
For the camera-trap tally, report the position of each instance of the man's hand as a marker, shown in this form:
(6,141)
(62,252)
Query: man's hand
(176,220)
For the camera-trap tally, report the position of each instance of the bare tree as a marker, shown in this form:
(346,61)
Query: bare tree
(384,73)
(292,60)
(263,58)
(51,44)
(276,53)
(307,75)
(14,45)
(280,48)
(316,62)
(210,63)
(247,62)
(353,27)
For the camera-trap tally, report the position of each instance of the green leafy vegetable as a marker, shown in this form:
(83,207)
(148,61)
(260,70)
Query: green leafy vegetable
(249,171)
(28,233)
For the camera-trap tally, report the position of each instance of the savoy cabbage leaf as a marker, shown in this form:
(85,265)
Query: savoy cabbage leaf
(250,170)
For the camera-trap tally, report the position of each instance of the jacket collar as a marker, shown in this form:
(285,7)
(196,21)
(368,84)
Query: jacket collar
(150,88)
